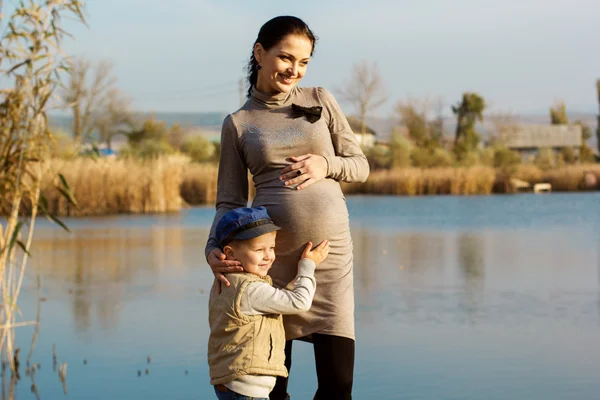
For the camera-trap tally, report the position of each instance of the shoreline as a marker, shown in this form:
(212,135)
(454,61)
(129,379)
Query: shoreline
(170,184)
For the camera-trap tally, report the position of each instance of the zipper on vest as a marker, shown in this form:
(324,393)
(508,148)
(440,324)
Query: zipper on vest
(271,347)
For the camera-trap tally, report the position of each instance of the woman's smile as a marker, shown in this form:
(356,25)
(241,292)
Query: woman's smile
(286,80)
(283,65)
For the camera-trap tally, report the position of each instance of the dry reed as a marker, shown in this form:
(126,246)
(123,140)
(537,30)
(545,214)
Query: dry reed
(529,173)
(199,185)
(565,179)
(110,186)
(31,61)
(416,182)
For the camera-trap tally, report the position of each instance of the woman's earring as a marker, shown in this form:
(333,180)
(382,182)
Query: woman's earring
(258,67)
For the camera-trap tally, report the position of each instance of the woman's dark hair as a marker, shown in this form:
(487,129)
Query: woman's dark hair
(271,33)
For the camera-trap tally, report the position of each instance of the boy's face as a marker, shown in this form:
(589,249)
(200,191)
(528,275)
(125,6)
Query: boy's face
(256,255)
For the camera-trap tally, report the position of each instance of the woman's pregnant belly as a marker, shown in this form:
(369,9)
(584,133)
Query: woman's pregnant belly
(313,214)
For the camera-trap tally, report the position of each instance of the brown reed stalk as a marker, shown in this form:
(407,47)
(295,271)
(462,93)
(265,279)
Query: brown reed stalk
(31,59)
(112,186)
(429,181)
(199,184)
(563,179)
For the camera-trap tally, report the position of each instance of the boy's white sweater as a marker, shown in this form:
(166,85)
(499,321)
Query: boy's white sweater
(260,298)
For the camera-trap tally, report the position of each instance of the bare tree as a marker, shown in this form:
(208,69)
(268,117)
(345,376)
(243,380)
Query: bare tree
(364,90)
(414,115)
(85,94)
(114,117)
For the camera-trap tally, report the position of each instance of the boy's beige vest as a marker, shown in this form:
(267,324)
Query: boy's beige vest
(240,344)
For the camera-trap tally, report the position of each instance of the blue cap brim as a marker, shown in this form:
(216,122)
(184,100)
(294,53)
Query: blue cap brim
(254,232)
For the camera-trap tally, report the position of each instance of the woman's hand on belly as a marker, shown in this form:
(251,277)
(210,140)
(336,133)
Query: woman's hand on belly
(220,266)
(305,170)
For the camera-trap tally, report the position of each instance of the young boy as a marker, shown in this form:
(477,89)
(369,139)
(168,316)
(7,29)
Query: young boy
(247,339)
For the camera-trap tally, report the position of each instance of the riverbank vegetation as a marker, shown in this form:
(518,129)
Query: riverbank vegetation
(162,168)
(169,183)
(117,161)
(31,64)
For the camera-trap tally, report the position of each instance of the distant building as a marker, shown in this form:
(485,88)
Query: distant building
(529,139)
(366,139)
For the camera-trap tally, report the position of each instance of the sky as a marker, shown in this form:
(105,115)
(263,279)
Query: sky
(188,55)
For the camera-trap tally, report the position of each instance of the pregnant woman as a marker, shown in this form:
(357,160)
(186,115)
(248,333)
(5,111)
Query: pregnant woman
(297,145)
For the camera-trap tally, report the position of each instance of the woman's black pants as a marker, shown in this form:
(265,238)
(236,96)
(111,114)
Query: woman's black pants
(334,358)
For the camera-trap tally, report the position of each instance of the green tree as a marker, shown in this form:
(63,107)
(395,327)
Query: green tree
(431,158)
(415,121)
(198,148)
(175,136)
(585,152)
(150,149)
(468,112)
(150,139)
(150,129)
(379,157)
(558,114)
(506,159)
(423,131)
(400,151)
(586,131)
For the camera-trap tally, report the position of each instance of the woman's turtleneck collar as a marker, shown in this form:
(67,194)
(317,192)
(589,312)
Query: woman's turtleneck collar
(271,100)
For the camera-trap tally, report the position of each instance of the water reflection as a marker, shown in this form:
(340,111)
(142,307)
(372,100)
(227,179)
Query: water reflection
(459,276)
(98,269)
(508,305)
(11,380)
(9,383)
(471,263)
(473,276)
(8,386)
(464,277)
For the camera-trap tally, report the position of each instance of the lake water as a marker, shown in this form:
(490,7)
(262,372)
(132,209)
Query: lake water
(456,298)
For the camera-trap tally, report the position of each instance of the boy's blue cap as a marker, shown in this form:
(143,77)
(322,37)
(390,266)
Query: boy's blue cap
(244,223)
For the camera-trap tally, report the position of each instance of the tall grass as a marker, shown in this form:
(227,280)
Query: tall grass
(564,179)
(110,186)
(415,182)
(31,62)
(199,184)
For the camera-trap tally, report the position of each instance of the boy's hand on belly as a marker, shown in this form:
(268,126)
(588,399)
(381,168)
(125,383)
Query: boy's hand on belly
(318,254)
(305,170)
